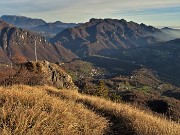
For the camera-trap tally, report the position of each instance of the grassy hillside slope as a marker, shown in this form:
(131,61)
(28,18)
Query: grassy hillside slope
(31,111)
(47,110)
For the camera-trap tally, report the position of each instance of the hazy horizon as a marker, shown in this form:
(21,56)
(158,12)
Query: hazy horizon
(159,13)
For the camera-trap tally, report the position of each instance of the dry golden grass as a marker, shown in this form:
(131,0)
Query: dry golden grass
(28,110)
(127,119)
(45,110)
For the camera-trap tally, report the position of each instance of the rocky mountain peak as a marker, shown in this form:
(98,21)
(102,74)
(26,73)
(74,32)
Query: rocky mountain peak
(52,74)
(99,35)
(15,41)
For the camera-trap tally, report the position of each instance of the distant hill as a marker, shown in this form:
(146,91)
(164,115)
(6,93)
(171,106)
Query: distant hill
(18,42)
(171,33)
(99,35)
(48,30)
(63,25)
(22,21)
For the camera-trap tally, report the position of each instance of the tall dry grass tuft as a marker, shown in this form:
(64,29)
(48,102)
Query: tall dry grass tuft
(126,118)
(28,110)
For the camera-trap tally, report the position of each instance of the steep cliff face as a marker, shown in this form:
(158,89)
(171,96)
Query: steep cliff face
(15,41)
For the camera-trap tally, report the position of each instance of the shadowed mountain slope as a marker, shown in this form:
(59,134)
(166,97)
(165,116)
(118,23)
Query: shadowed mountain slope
(15,41)
(98,35)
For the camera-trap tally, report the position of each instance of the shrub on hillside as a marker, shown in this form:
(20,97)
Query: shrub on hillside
(13,76)
(101,90)
(17,59)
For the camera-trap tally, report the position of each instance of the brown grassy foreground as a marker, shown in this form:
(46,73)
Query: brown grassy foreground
(31,111)
(126,119)
(46,110)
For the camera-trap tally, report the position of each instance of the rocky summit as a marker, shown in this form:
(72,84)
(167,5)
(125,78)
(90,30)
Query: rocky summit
(16,42)
(101,35)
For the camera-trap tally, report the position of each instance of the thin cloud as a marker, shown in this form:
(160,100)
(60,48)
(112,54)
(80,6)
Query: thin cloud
(83,10)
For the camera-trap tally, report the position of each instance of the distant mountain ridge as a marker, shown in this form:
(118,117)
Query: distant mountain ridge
(40,26)
(22,21)
(49,30)
(171,33)
(99,35)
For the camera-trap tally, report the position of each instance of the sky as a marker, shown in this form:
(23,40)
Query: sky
(158,13)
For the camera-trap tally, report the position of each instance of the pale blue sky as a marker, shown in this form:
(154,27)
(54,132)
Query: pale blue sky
(151,12)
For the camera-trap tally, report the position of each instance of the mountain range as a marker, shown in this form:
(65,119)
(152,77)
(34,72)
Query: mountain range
(48,30)
(98,35)
(22,21)
(116,45)
(121,47)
